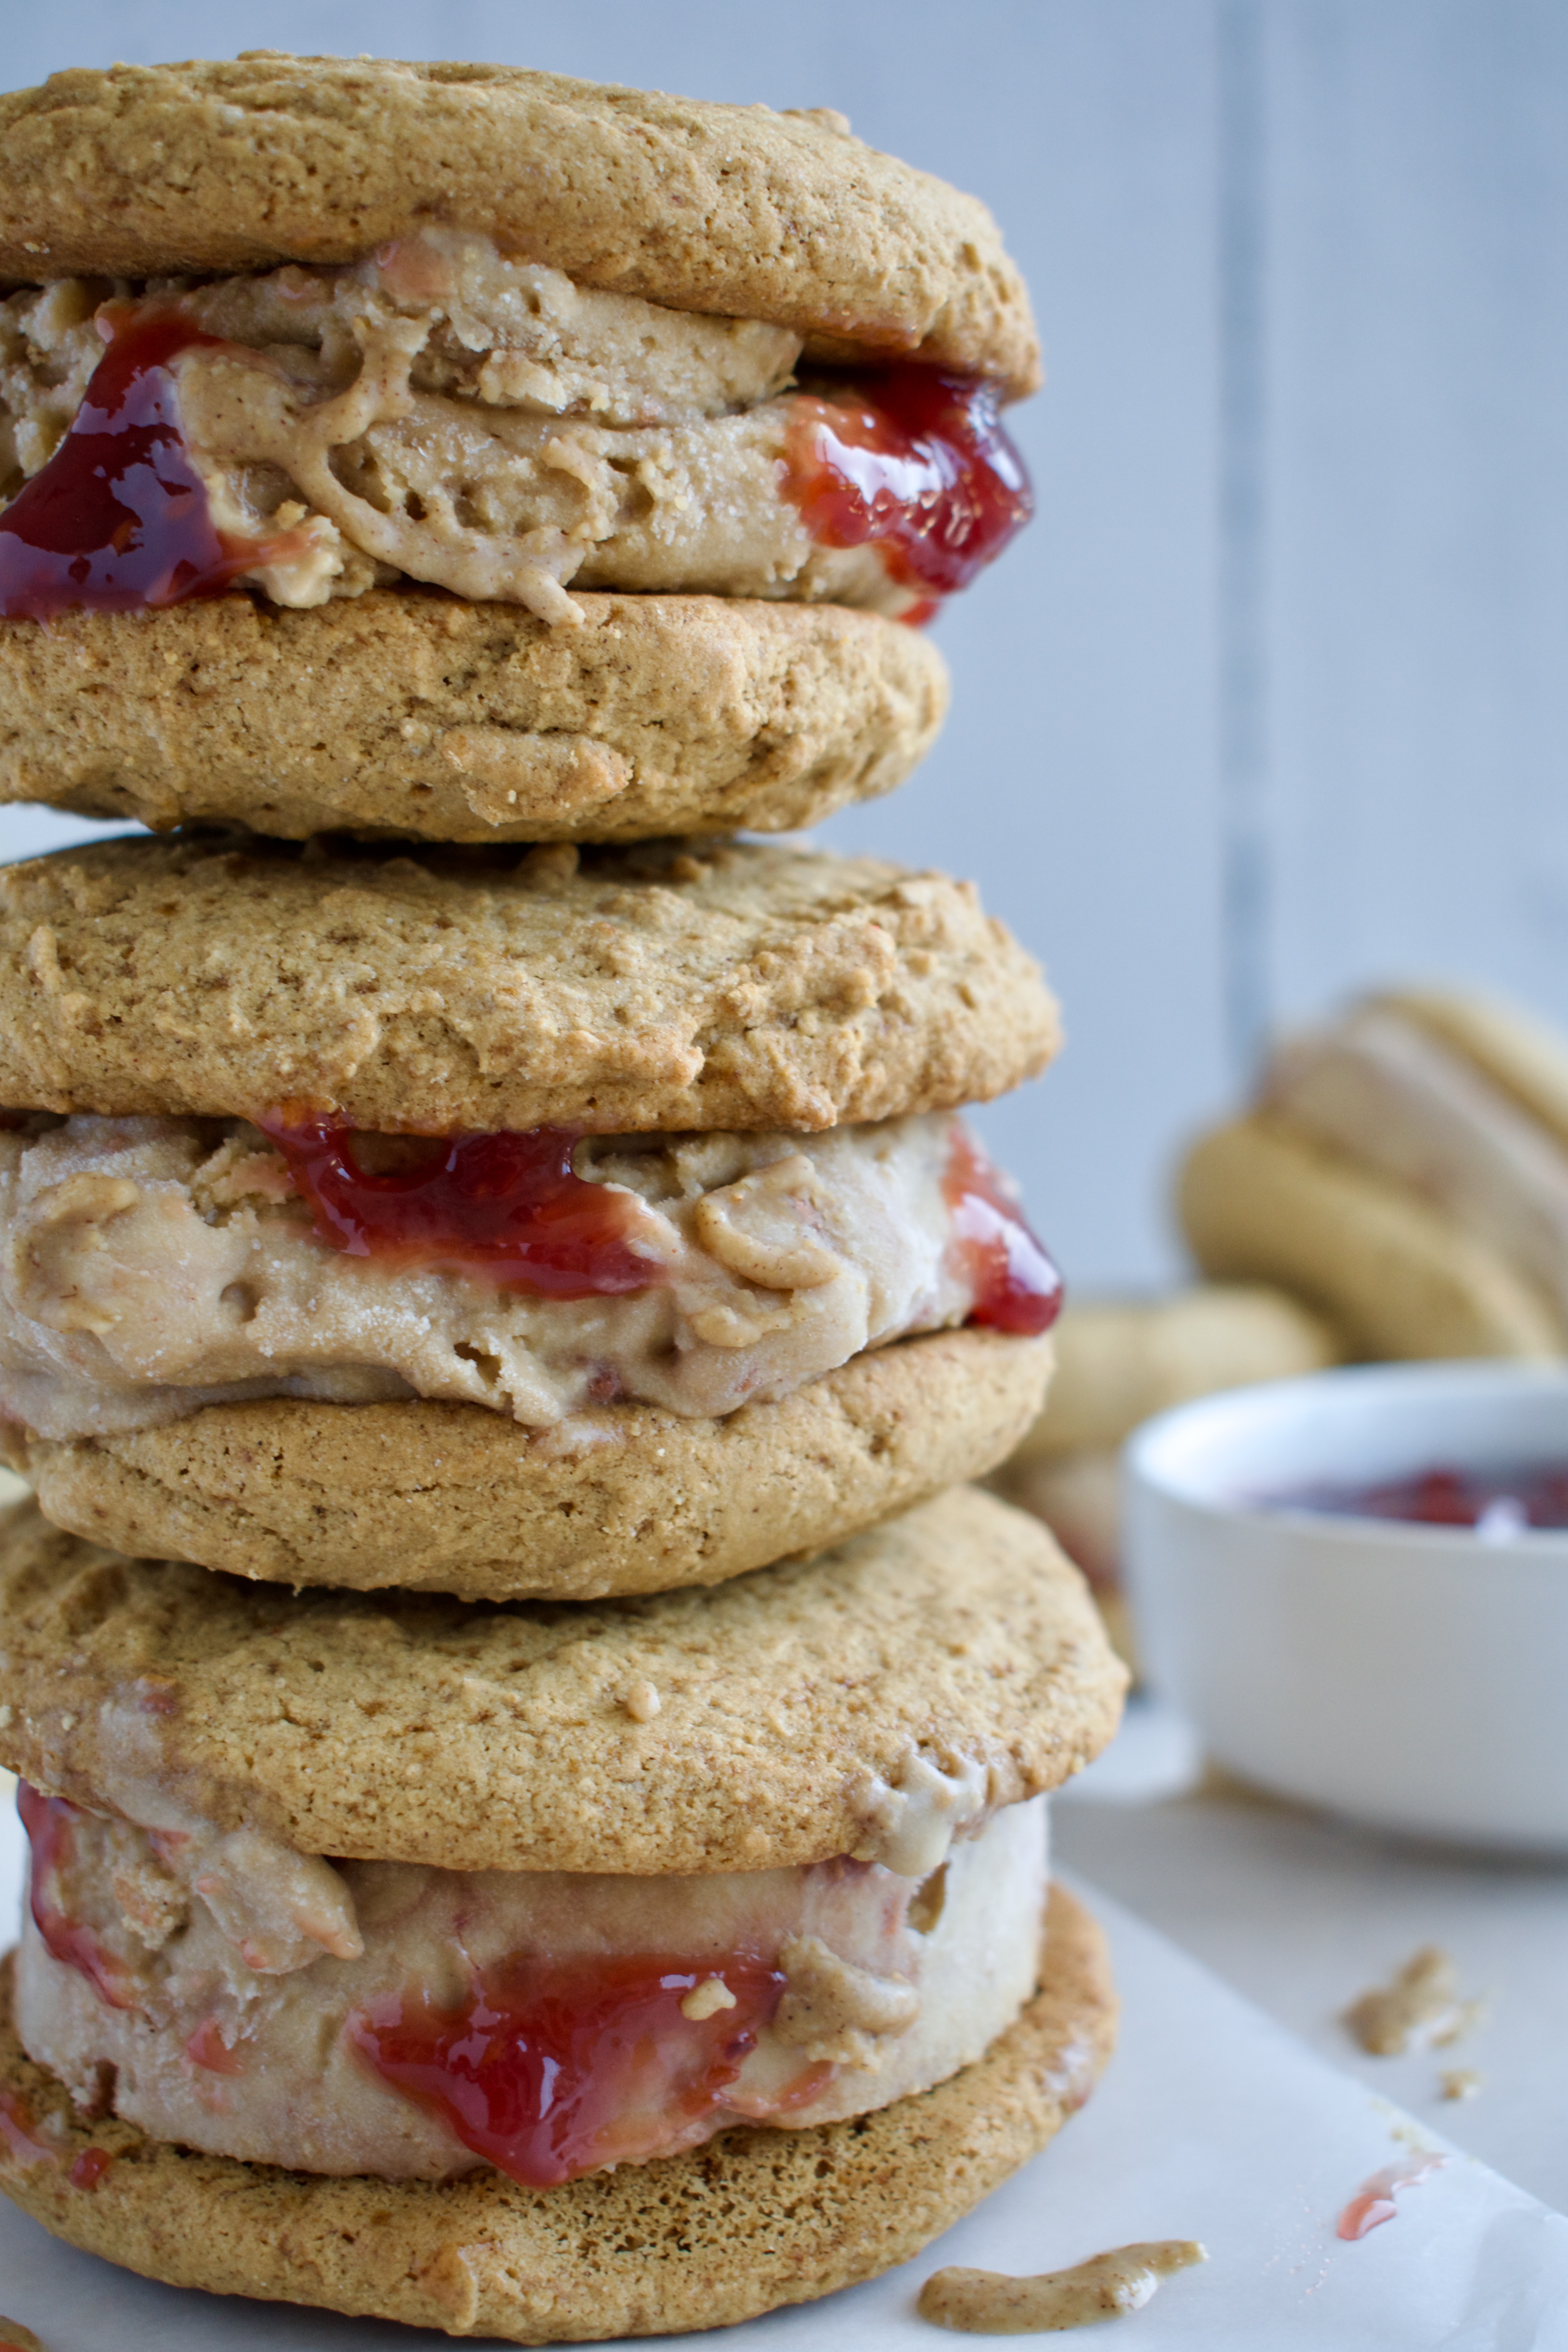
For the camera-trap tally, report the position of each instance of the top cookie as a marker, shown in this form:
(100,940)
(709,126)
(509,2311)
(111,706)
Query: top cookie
(869,1700)
(668,987)
(732,210)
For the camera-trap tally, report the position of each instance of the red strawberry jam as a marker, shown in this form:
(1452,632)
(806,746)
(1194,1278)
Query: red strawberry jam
(1500,1502)
(916,463)
(21,2140)
(552,2068)
(1016,1286)
(508,1206)
(50,1821)
(118,519)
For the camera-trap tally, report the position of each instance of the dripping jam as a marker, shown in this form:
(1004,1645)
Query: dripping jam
(1017,1286)
(507,1205)
(916,463)
(49,1822)
(551,2069)
(118,519)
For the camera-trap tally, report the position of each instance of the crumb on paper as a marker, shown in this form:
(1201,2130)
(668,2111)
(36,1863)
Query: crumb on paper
(1422,2003)
(14,2337)
(1108,2286)
(1459,2082)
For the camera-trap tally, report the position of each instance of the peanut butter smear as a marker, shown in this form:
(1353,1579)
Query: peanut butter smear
(1108,2286)
(1422,2003)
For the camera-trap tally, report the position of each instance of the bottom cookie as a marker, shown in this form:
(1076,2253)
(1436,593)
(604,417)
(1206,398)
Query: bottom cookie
(748,2221)
(454,1499)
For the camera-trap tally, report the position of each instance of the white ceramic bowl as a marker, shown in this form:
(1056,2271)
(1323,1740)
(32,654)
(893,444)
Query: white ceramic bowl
(1412,1676)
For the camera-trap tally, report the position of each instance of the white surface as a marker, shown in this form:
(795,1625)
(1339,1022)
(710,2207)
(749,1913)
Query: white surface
(1211,2124)
(1301,1913)
(1410,1676)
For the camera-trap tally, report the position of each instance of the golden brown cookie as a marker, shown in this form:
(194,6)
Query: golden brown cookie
(419,714)
(1518,1052)
(239,164)
(750,2220)
(453,1498)
(944,1660)
(749,985)
(1261,1201)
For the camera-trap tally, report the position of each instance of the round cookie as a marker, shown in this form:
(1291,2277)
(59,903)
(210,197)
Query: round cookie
(750,2220)
(453,1498)
(419,714)
(748,986)
(947,1659)
(1520,1053)
(1260,1200)
(209,167)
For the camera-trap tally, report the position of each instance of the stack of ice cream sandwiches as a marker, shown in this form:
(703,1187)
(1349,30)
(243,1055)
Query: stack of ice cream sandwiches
(534,1760)
(1404,1171)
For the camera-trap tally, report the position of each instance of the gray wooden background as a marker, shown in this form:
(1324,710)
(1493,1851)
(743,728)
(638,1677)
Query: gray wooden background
(1272,701)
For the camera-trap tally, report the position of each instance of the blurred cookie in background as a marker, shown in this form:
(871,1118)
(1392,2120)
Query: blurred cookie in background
(1121,1360)
(1405,1172)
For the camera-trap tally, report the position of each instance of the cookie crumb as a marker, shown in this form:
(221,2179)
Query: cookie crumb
(642,1701)
(703,2000)
(1459,2082)
(14,2338)
(1108,2286)
(1421,2001)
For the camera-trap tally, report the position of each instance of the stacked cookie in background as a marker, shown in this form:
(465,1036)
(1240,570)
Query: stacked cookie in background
(1396,1190)
(534,1761)
(1403,1169)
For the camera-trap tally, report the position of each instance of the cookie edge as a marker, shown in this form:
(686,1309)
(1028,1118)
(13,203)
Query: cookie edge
(141,1495)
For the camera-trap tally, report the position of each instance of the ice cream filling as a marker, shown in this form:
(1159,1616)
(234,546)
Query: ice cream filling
(1382,1088)
(150,1267)
(228,1993)
(442,411)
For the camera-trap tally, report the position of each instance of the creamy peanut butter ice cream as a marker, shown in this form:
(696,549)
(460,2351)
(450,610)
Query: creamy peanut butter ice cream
(441,412)
(150,1267)
(229,1993)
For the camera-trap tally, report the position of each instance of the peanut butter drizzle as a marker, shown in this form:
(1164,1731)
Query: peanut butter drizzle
(1425,1990)
(1421,2004)
(1109,2285)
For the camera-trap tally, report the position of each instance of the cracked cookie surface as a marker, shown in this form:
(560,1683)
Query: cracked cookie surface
(877,1700)
(680,986)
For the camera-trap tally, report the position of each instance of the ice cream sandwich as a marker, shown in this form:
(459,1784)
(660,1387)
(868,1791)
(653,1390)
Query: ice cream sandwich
(409,1959)
(305,358)
(1406,1172)
(581,1224)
